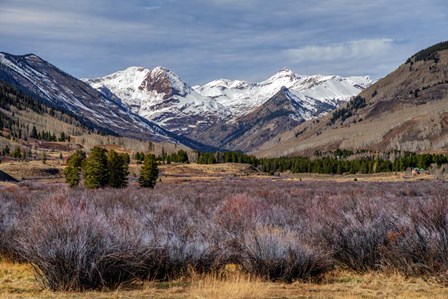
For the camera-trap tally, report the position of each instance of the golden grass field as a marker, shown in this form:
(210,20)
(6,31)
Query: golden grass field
(177,173)
(17,281)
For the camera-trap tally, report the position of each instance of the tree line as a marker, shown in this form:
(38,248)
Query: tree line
(226,157)
(107,168)
(180,156)
(340,165)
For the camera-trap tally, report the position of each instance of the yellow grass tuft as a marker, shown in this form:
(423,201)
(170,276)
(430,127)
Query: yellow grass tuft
(228,284)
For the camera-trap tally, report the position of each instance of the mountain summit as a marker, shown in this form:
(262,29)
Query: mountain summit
(160,95)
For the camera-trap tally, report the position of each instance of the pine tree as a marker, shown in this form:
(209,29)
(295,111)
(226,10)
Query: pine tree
(126,158)
(6,151)
(34,132)
(62,137)
(17,153)
(73,170)
(117,167)
(95,170)
(149,172)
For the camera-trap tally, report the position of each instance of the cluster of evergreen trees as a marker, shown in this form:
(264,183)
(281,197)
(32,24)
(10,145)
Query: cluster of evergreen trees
(226,157)
(180,156)
(102,168)
(17,153)
(48,136)
(340,165)
(430,53)
(343,113)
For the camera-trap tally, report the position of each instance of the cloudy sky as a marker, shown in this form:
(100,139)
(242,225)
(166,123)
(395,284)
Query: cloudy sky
(202,40)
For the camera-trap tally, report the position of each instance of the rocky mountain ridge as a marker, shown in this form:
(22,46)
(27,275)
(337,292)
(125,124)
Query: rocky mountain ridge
(210,112)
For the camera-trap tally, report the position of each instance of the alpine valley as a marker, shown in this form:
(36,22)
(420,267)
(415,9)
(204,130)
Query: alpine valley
(156,105)
(286,114)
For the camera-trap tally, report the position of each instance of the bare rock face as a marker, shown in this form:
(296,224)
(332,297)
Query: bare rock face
(163,81)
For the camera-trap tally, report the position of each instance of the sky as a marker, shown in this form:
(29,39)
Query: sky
(204,40)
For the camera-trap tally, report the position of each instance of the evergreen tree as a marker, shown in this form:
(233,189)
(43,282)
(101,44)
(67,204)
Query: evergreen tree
(73,170)
(6,151)
(62,137)
(95,170)
(17,153)
(126,158)
(117,170)
(34,132)
(149,172)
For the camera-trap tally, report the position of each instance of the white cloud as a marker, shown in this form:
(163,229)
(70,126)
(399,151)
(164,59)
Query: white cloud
(359,49)
(65,25)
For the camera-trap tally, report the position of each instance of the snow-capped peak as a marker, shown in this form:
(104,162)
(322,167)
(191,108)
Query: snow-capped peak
(284,77)
(240,97)
(161,95)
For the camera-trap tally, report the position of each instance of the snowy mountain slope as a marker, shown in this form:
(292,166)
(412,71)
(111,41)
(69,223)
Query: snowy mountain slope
(241,97)
(161,96)
(42,80)
(280,113)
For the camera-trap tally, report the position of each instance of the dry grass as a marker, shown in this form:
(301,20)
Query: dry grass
(17,281)
(32,169)
(229,285)
(178,173)
(173,173)
(375,177)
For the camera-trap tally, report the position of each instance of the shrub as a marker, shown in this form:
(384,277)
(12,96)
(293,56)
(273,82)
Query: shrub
(73,247)
(279,254)
(80,239)
(356,230)
(420,245)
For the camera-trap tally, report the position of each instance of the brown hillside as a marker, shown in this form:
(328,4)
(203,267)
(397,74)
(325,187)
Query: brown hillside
(407,110)
(255,128)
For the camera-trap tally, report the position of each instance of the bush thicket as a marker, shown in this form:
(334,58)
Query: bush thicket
(80,239)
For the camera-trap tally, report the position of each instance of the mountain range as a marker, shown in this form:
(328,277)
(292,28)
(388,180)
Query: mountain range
(102,113)
(225,113)
(286,114)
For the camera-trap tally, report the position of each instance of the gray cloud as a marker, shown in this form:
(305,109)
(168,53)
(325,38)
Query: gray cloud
(202,40)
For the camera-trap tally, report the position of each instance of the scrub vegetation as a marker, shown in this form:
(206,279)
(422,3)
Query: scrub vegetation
(77,239)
